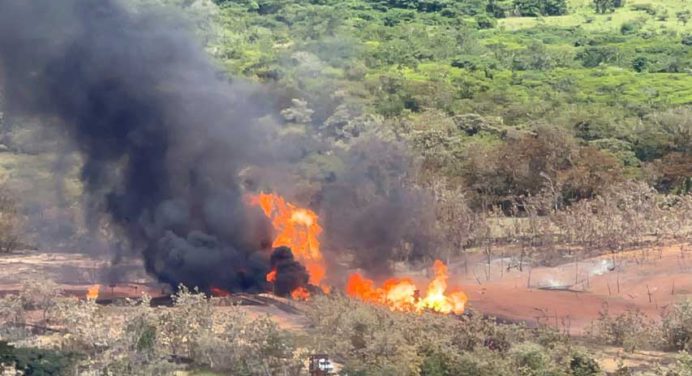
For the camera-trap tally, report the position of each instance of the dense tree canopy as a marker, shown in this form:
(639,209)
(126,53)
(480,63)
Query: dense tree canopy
(602,84)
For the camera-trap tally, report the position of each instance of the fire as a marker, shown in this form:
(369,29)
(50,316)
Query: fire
(401,294)
(93,292)
(296,228)
(436,299)
(301,293)
(299,229)
(271,276)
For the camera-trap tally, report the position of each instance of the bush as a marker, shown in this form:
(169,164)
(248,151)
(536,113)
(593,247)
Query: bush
(640,63)
(682,366)
(372,340)
(535,8)
(687,40)
(647,8)
(594,56)
(630,27)
(152,341)
(684,16)
(485,22)
(604,6)
(677,327)
(35,362)
(531,359)
(9,221)
(630,330)
(582,364)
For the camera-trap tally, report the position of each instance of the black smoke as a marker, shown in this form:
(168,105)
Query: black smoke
(289,274)
(373,210)
(163,134)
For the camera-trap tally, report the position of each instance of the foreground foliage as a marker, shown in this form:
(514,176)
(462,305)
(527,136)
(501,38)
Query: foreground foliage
(137,339)
(371,340)
(202,333)
(633,330)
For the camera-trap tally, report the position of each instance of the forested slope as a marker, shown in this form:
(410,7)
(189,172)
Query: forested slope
(600,88)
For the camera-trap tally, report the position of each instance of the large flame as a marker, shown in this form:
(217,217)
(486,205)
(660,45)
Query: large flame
(298,229)
(401,294)
(93,292)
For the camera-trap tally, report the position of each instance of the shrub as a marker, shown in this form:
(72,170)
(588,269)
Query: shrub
(582,364)
(40,295)
(640,63)
(485,22)
(372,340)
(647,8)
(12,309)
(531,359)
(88,330)
(681,367)
(535,8)
(677,327)
(35,362)
(591,57)
(154,341)
(9,221)
(631,330)
(604,6)
(687,40)
(630,27)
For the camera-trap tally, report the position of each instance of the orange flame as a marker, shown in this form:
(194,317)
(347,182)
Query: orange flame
(301,293)
(93,292)
(271,276)
(296,228)
(400,294)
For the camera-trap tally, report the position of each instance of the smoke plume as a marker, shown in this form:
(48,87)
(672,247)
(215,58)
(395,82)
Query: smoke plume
(163,134)
(164,137)
(372,210)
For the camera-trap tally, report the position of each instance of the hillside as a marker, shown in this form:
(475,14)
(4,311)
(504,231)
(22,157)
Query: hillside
(618,81)
(427,187)
(601,98)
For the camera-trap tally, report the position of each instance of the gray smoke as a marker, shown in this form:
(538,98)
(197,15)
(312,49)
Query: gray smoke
(163,134)
(372,210)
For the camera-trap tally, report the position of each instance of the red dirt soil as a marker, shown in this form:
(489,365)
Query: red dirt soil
(648,279)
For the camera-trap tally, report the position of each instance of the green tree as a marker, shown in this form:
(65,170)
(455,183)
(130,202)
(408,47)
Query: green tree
(485,22)
(535,8)
(640,63)
(554,7)
(36,362)
(594,56)
(603,6)
(498,8)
